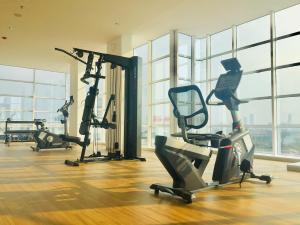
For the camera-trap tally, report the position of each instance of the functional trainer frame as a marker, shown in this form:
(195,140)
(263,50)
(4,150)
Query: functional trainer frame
(132,114)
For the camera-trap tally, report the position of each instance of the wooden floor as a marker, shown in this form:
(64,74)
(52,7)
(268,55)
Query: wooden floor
(37,188)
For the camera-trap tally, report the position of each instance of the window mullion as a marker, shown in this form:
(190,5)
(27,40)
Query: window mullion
(173,72)
(273,85)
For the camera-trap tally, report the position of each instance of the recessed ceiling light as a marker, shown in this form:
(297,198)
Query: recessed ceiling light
(116,23)
(21,6)
(17,14)
(4,37)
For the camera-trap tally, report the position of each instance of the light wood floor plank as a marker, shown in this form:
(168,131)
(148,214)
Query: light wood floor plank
(37,188)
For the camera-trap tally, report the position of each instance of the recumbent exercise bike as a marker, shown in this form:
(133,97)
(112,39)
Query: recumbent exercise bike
(45,139)
(186,161)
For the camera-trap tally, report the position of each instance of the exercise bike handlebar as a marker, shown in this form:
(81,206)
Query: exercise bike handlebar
(238,100)
(208,102)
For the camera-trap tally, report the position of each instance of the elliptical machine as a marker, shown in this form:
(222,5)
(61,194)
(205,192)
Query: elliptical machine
(47,140)
(186,161)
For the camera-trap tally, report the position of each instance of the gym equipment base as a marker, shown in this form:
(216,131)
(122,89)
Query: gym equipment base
(188,196)
(100,158)
(36,149)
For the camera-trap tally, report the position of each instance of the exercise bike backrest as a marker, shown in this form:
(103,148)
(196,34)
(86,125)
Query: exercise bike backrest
(227,85)
(189,107)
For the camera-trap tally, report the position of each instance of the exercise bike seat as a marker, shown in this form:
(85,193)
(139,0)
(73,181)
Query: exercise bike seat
(213,138)
(200,137)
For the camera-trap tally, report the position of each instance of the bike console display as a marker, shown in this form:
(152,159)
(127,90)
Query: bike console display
(228,82)
(227,85)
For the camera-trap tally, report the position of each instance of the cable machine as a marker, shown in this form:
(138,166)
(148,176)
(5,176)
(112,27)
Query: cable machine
(132,103)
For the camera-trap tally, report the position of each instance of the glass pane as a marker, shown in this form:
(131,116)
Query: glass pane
(144,115)
(144,136)
(161,114)
(203,89)
(49,105)
(255,58)
(50,117)
(56,130)
(289,141)
(220,116)
(216,67)
(161,69)
(48,77)
(183,83)
(142,52)
(200,48)
(257,112)
(161,47)
(16,88)
(15,103)
(144,95)
(160,91)
(200,70)
(144,74)
(255,85)
(288,50)
(50,91)
(16,73)
(184,45)
(221,42)
(287,20)
(68,84)
(288,111)
(16,116)
(184,68)
(262,139)
(260,27)
(288,81)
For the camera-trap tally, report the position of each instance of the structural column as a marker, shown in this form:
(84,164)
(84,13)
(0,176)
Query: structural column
(78,90)
(114,85)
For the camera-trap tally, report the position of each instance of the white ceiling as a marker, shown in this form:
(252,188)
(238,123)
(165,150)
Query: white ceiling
(45,24)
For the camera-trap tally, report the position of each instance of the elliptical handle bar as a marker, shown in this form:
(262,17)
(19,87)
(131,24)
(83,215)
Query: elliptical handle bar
(208,102)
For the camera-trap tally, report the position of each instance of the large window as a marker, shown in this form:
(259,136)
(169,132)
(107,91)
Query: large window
(271,74)
(160,84)
(184,59)
(27,94)
(269,53)
(155,86)
(287,23)
(254,54)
